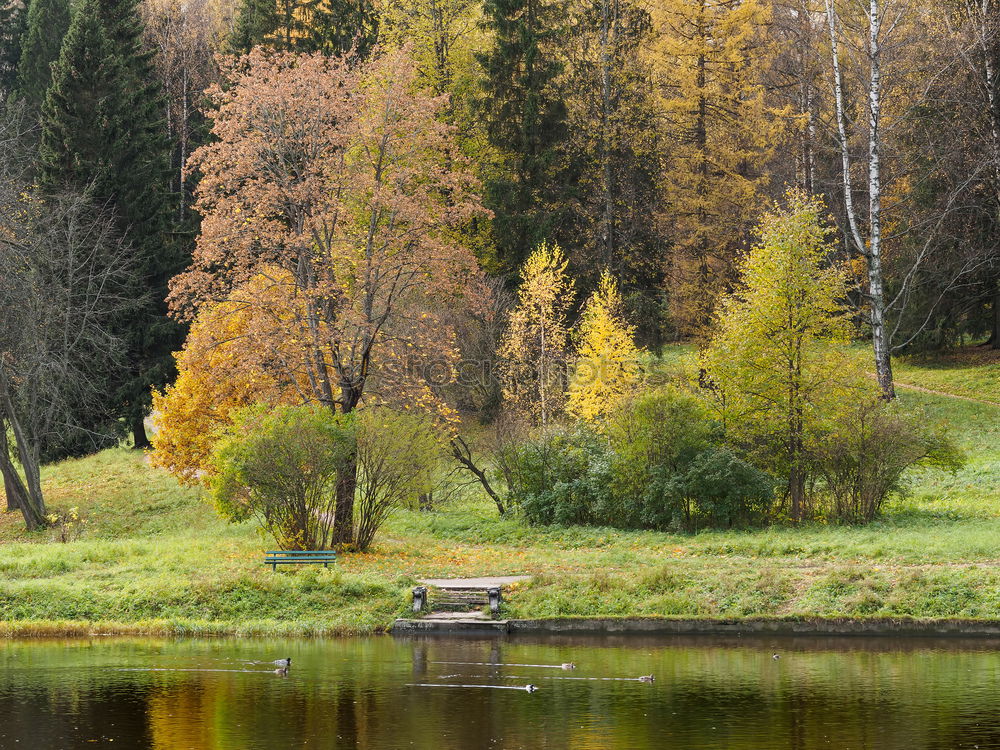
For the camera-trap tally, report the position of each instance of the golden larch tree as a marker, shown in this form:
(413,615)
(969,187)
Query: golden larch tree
(607,365)
(534,347)
(712,59)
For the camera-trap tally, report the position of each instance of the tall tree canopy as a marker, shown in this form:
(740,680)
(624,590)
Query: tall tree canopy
(103,131)
(526,124)
(721,131)
(330,204)
(46,24)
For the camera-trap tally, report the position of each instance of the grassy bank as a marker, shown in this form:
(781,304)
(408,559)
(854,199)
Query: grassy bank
(155,558)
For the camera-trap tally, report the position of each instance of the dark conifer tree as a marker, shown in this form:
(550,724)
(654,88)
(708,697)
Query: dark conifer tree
(329,26)
(103,130)
(46,25)
(526,121)
(255,22)
(13,26)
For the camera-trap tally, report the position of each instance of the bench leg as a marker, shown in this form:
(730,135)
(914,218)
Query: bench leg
(274,567)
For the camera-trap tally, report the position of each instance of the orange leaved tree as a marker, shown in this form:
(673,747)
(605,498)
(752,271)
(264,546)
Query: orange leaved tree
(331,199)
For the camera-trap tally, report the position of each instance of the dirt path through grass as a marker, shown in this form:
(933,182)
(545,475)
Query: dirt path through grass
(933,392)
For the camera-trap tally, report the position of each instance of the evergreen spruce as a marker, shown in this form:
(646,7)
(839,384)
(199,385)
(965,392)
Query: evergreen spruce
(329,26)
(103,130)
(526,122)
(47,22)
(13,25)
(255,21)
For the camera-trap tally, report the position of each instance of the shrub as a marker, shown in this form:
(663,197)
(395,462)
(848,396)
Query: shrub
(657,464)
(397,454)
(726,490)
(864,456)
(279,466)
(559,475)
(655,437)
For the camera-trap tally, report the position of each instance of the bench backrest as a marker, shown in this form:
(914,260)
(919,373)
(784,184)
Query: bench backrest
(323,554)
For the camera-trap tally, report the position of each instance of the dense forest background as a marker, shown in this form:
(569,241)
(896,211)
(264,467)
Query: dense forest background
(170,165)
(642,137)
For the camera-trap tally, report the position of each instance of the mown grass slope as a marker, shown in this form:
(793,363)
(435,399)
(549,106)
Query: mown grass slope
(156,558)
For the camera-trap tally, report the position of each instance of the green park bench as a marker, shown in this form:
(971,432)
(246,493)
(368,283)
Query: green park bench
(274,558)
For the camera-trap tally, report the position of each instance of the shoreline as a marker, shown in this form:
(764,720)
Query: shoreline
(584,626)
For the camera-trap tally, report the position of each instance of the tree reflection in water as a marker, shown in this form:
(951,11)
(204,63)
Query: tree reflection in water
(358,693)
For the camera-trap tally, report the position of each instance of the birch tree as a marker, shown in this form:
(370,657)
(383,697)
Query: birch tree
(869,247)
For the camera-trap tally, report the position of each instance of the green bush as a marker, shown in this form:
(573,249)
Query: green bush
(559,476)
(279,466)
(863,457)
(657,463)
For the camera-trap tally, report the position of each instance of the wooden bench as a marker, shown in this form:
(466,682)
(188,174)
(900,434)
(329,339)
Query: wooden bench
(274,558)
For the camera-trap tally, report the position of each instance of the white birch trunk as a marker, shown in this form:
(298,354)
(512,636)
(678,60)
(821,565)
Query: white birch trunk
(872,250)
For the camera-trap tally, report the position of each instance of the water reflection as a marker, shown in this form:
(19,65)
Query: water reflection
(383,693)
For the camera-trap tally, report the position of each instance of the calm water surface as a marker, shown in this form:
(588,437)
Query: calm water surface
(382,693)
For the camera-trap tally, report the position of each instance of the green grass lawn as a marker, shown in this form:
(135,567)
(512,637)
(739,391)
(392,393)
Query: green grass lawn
(155,557)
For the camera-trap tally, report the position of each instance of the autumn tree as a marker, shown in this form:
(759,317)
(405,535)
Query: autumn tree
(535,346)
(721,129)
(334,188)
(443,36)
(776,361)
(607,359)
(220,370)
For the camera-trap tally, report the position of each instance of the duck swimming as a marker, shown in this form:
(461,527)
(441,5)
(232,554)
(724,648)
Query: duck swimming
(647,678)
(530,688)
(283,663)
(569,665)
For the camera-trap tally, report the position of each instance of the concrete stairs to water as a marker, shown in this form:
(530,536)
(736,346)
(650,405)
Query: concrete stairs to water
(454,604)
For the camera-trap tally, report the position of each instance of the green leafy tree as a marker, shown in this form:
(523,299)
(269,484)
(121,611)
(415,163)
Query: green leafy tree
(102,130)
(777,359)
(525,123)
(279,466)
(47,23)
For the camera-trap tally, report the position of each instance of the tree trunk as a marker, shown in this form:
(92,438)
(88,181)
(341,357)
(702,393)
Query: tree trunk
(11,482)
(872,250)
(347,479)
(876,287)
(139,439)
(343,514)
(995,340)
(31,501)
(796,491)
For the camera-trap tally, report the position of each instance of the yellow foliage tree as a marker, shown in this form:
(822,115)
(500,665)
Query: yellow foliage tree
(534,347)
(218,373)
(711,59)
(778,362)
(607,366)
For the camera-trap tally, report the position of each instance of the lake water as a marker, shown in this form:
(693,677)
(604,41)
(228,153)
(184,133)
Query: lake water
(384,693)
